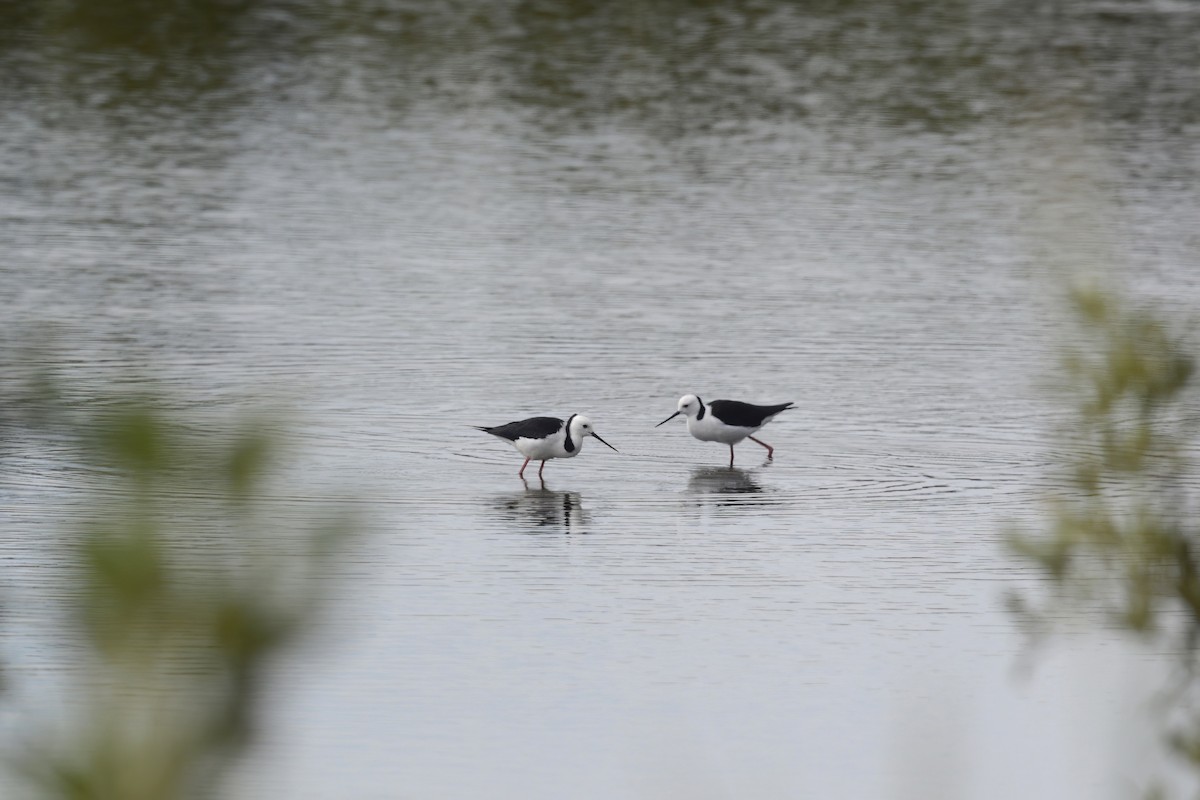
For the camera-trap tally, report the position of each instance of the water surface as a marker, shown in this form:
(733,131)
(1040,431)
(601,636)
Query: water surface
(412,222)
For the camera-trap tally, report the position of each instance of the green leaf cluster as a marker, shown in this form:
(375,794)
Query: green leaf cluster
(1122,539)
(189,578)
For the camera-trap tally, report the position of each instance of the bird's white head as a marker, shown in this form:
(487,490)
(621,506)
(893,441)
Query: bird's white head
(689,406)
(581,426)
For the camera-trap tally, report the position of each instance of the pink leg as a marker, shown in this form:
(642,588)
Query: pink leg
(770,450)
(542,467)
(521,474)
(731,455)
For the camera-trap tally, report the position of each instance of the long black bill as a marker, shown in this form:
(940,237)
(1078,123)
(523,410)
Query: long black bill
(606,444)
(668,419)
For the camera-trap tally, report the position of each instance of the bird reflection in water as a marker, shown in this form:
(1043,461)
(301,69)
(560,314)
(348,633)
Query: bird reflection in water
(543,510)
(726,486)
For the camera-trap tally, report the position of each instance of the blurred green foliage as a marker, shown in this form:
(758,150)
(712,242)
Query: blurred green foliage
(189,576)
(1123,539)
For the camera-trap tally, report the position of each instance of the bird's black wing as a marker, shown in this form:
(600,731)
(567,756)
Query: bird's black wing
(532,428)
(744,415)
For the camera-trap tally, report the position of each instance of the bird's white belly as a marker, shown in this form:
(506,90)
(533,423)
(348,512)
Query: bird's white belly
(710,430)
(542,449)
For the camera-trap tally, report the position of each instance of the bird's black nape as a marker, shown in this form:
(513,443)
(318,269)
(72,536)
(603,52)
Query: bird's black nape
(569,445)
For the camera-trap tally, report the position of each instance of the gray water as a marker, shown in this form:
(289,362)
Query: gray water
(408,222)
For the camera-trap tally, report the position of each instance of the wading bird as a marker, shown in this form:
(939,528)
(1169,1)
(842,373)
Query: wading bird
(726,421)
(544,438)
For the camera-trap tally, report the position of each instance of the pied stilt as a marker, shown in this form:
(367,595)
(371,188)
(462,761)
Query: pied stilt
(726,421)
(544,438)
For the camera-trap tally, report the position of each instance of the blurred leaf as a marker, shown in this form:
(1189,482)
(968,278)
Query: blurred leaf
(1122,538)
(187,587)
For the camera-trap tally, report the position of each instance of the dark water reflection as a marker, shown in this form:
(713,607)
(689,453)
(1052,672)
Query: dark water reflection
(542,510)
(416,217)
(674,67)
(709,481)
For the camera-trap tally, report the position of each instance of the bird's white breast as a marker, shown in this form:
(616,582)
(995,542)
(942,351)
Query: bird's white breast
(710,429)
(550,447)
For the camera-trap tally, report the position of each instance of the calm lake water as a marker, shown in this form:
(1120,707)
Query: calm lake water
(409,220)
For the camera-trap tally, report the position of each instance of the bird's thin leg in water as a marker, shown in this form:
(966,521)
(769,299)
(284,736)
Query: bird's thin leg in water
(521,474)
(542,467)
(770,450)
(731,456)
